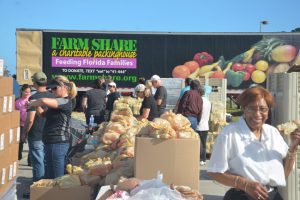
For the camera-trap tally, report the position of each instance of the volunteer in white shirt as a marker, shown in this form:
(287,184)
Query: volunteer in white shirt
(203,127)
(251,156)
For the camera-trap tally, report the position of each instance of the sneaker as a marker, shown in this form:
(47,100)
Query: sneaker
(202,163)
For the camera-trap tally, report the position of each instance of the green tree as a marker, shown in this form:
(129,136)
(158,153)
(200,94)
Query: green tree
(296,30)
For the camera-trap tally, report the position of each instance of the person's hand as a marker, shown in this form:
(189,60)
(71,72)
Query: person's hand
(28,104)
(295,139)
(256,190)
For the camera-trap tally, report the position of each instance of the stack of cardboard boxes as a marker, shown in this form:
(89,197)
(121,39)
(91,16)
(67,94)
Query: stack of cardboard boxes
(9,135)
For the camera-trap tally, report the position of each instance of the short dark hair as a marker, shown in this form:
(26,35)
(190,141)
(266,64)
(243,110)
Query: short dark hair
(188,81)
(142,80)
(195,85)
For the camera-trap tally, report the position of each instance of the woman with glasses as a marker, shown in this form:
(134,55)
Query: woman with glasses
(251,156)
(56,132)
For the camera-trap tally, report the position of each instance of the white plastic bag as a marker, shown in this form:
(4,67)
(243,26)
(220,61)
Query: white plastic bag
(162,193)
(146,184)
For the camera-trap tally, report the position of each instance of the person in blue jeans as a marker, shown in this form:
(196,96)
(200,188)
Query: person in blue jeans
(34,125)
(190,105)
(56,130)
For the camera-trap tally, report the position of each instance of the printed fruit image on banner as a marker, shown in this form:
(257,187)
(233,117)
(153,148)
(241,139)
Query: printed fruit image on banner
(269,55)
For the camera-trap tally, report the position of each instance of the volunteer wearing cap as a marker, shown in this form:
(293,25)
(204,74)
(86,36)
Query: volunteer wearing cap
(56,131)
(160,95)
(34,125)
(111,97)
(251,156)
(148,109)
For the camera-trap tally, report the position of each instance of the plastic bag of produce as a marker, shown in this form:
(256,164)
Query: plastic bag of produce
(126,170)
(68,181)
(45,183)
(126,111)
(100,170)
(89,179)
(161,193)
(110,137)
(161,128)
(177,121)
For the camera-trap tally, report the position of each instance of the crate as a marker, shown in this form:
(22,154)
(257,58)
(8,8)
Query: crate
(218,95)
(285,88)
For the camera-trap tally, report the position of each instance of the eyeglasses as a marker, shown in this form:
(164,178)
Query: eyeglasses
(254,109)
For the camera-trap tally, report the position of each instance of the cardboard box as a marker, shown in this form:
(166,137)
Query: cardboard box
(15,119)
(55,193)
(177,159)
(6,86)
(8,173)
(4,132)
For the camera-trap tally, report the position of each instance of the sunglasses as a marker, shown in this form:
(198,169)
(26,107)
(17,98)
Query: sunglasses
(54,89)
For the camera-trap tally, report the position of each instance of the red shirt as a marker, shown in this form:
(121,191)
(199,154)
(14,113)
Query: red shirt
(191,104)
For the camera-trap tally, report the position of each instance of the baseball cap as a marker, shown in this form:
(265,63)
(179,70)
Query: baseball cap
(39,77)
(112,84)
(140,88)
(155,78)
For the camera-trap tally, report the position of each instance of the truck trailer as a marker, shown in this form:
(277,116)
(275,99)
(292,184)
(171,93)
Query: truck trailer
(83,56)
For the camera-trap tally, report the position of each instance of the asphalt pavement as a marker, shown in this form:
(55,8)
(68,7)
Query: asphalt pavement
(208,188)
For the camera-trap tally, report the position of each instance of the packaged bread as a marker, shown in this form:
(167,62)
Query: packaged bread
(288,127)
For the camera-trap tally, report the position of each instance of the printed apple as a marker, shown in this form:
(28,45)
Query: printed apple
(247,76)
(181,71)
(237,67)
(250,68)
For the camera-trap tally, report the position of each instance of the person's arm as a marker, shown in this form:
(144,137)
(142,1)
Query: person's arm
(145,114)
(28,122)
(158,102)
(250,187)
(289,160)
(49,102)
(182,103)
(84,103)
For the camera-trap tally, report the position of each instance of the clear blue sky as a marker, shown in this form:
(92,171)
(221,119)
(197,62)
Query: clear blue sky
(139,15)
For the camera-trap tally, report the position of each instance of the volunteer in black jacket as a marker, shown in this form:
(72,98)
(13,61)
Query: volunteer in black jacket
(56,132)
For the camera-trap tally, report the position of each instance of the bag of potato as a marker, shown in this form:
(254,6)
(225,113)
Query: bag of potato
(126,121)
(187,133)
(126,170)
(94,155)
(100,170)
(120,105)
(110,137)
(75,170)
(45,183)
(177,121)
(125,152)
(128,184)
(161,128)
(126,111)
(90,179)
(68,181)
